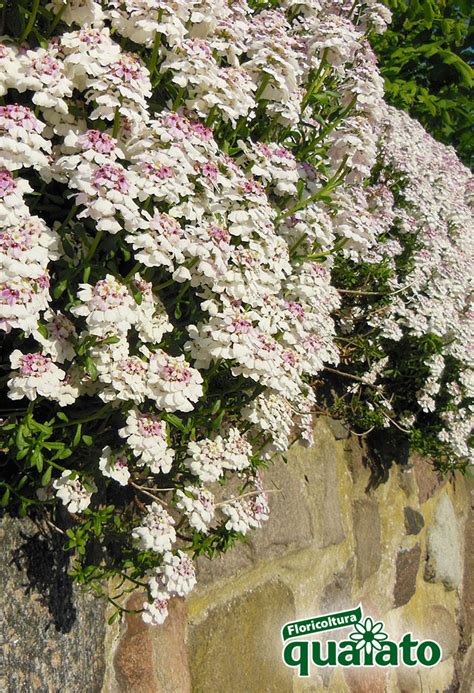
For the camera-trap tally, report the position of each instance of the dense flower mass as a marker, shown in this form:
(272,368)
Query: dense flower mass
(207,214)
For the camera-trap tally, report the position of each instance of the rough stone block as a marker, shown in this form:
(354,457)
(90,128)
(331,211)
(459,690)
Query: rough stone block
(133,662)
(51,633)
(338,429)
(364,680)
(428,480)
(441,626)
(230,564)
(170,652)
(289,526)
(414,521)
(317,466)
(237,647)
(466,676)
(366,521)
(337,594)
(444,560)
(407,564)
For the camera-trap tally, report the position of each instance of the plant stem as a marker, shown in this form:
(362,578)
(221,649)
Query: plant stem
(69,217)
(57,19)
(116,122)
(154,54)
(331,183)
(31,20)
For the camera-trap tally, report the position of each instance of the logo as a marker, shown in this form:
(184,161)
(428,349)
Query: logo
(367,645)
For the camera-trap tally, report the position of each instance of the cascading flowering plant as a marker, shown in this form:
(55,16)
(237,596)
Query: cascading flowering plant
(205,208)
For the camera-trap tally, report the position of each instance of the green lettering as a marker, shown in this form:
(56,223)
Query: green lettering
(388,655)
(348,655)
(406,645)
(295,654)
(435,653)
(330,657)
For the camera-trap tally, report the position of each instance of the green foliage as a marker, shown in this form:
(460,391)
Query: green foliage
(426,58)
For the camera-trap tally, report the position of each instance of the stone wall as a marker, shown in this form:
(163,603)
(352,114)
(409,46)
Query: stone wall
(51,635)
(403,549)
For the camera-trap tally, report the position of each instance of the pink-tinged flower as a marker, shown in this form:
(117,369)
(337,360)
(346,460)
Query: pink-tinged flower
(7,183)
(173,383)
(126,379)
(108,307)
(157,532)
(249,511)
(13,209)
(198,505)
(26,249)
(111,177)
(114,466)
(156,612)
(125,86)
(97,141)
(59,342)
(177,573)
(21,302)
(209,458)
(107,193)
(21,142)
(146,436)
(72,493)
(161,243)
(37,376)
(44,74)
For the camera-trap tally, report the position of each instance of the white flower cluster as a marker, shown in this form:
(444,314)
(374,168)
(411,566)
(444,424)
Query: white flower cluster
(208,459)
(194,278)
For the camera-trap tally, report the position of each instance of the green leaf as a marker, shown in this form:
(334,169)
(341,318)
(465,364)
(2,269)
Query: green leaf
(60,288)
(46,478)
(174,421)
(5,498)
(37,459)
(113,618)
(91,368)
(77,437)
(42,329)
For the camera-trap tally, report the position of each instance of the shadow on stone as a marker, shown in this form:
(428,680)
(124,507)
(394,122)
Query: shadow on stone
(385,448)
(44,562)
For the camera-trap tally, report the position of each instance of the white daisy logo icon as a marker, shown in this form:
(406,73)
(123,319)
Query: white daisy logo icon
(369,635)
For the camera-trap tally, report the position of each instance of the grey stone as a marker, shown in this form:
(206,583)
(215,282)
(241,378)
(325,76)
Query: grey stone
(289,527)
(366,521)
(444,560)
(230,564)
(318,469)
(51,634)
(337,594)
(408,562)
(414,521)
(238,647)
(338,429)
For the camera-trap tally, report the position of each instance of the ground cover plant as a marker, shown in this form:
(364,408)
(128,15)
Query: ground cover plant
(212,228)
